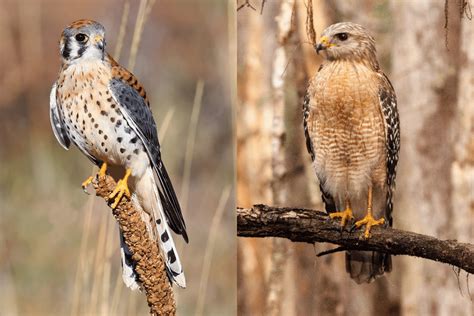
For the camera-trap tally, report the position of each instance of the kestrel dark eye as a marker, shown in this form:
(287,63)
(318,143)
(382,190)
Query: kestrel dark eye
(81,37)
(342,36)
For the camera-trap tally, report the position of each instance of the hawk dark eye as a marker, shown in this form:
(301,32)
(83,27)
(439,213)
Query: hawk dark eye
(81,37)
(342,36)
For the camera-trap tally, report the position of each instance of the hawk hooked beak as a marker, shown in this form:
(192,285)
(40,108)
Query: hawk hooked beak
(99,41)
(323,44)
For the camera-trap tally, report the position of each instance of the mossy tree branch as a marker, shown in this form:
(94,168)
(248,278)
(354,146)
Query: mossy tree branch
(149,263)
(306,225)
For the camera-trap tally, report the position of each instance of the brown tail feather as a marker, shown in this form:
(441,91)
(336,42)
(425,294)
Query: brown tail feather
(366,266)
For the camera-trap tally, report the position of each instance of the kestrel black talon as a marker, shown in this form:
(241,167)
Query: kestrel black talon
(86,183)
(89,180)
(352,228)
(85,191)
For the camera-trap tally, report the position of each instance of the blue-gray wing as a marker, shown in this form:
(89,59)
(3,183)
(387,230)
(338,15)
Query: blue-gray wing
(138,115)
(55,118)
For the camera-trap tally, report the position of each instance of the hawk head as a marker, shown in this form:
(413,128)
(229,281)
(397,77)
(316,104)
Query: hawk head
(82,39)
(346,40)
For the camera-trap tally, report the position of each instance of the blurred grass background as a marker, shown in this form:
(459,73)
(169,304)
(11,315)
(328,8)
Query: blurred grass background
(58,247)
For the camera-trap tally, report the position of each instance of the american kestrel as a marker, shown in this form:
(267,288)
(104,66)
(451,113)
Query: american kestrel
(102,108)
(352,131)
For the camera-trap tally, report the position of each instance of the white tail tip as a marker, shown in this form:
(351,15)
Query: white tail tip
(180,280)
(128,274)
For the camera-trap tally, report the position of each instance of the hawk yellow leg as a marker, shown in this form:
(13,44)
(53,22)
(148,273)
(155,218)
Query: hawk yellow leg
(121,189)
(344,215)
(369,220)
(88,181)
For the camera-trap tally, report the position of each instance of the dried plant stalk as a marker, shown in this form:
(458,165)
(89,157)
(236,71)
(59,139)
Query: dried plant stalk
(149,263)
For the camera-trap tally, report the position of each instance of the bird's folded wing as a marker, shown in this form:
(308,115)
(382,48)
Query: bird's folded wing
(55,118)
(138,115)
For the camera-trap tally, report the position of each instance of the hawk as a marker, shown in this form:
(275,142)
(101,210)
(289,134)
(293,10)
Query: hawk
(102,109)
(352,131)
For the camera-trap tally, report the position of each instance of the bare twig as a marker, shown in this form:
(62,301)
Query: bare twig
(310,32)
(446,20)
(306,225)
(464,11)
(149,263)
(330,251)
(246,4)
(262,6)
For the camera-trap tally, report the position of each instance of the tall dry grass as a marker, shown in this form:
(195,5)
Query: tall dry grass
(59,249)
(208,253)
(94,267)
(190,142)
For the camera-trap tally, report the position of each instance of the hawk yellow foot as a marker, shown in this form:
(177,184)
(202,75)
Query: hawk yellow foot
(369,221)
(344,215)
(120,190)
(102,171)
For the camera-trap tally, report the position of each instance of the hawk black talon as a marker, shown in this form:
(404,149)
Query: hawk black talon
(353,228)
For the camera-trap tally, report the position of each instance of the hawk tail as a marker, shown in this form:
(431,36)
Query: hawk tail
(366,266)
(148,199)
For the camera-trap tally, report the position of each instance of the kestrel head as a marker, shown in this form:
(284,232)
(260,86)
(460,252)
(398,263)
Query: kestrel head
(82,39)
(346,40)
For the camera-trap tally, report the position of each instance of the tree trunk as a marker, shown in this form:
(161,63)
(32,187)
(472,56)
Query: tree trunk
(280,251)
(426,79)
(462,169)
(253,122)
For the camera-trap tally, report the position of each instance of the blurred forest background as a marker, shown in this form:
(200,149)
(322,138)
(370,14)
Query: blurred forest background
(59,249)
(432,70)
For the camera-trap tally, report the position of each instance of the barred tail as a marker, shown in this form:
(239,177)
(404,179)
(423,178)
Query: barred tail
(366,266)
(167,246)
(129,275)
(149,200)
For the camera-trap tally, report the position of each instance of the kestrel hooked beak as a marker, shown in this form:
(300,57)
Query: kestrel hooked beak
(100,42)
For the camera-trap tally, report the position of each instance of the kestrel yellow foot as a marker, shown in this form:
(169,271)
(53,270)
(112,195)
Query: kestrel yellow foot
(369,221)
(120,190)
(102,171)
(344,215)
(86,183)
